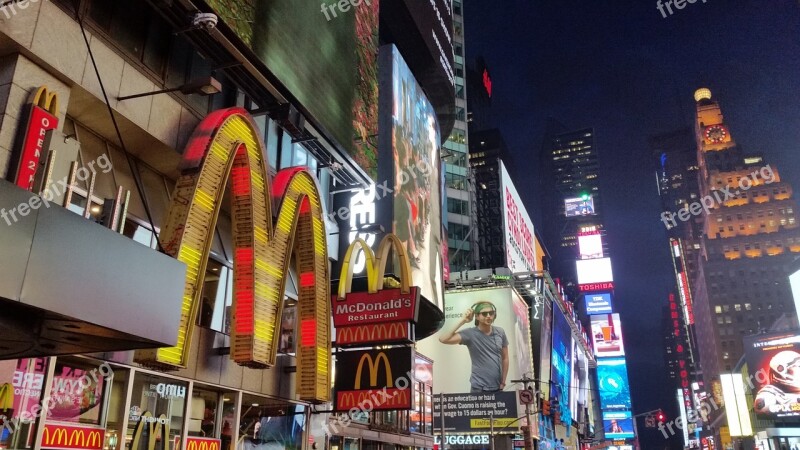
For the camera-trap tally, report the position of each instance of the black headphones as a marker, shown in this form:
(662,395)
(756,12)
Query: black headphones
(475,308)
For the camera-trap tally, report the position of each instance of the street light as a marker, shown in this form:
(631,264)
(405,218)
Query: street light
(201,86)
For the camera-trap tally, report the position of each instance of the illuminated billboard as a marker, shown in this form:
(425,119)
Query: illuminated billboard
(324,57)
(612,381)
(598,303)
(520,241)
(774,360)
(580,206)
(607,335)
(412,210)
(618,425)
(561,372)
(594,271)
(794,282)
(590,246)
(483,331)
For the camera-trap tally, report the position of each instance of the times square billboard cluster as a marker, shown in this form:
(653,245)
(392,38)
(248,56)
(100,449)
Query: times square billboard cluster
(596,282)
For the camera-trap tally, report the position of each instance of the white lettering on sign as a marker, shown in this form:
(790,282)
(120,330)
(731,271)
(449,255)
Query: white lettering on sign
(464,439)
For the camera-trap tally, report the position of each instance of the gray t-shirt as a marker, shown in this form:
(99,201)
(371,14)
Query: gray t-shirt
(485,353)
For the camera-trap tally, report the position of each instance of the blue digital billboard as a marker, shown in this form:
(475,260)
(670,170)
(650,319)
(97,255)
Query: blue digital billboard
(598,303)
(612,380)
(618,425)
(561,363)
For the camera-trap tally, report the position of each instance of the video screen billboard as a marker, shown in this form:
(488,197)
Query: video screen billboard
(574,207)
(774,361)
(612,381)
(794,282)
(618,425)
(326,58)
(463,343)
(598,303)
(561,361)
(607,335)
(520,240)
(410,133)
(590,246)
(594,270)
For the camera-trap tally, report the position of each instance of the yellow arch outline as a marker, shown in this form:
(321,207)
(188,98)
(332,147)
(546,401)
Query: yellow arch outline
(376,266)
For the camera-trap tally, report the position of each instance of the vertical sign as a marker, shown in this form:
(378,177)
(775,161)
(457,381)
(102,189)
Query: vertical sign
(42,118)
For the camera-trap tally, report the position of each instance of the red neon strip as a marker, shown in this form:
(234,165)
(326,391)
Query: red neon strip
(240,181)
(308,332)
(307,279)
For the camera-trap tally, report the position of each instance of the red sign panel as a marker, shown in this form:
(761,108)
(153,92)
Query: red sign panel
(381,399)
(39,123)
(592,287)
(73,437)
(387,305)
(376,333)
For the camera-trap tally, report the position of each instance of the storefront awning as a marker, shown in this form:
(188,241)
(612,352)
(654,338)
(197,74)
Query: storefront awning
(68,285)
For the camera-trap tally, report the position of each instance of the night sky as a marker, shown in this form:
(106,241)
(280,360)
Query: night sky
(622,68)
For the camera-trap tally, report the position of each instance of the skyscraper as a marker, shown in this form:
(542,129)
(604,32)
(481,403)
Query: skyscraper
(749,236)
(460,186)
(571,196)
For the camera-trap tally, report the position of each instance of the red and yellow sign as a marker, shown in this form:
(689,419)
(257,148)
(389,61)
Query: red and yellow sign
(227,145)
(198,443)
(73,437)
(380,399)
(43,118)
(378,315)
(382,376)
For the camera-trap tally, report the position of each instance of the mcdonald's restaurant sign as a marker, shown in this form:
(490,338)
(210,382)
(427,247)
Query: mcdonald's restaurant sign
(73,437)
(42,118)
(227,145)
(378,315)
(383,377)
(198,443)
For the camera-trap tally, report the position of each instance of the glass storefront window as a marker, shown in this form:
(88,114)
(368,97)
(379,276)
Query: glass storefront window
(77,392)
(21,386)
(155,418)
(288,335)
(116,408)
(268,424)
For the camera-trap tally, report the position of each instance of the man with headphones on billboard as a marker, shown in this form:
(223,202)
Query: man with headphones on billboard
(487,345)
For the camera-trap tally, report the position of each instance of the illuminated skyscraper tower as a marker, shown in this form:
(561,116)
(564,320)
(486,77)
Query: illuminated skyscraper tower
(749,235)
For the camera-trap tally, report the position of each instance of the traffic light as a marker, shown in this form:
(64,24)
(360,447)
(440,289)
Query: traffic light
(545,408)
(661,417)
(557,418)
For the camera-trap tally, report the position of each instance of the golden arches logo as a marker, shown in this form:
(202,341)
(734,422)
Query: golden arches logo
(157,431)
(46,100)
(202,444)
(372,333)
(376,266)
(58,436)
(373,369)
(227,145)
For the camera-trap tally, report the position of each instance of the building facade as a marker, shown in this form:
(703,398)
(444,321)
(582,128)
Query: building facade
(118,240)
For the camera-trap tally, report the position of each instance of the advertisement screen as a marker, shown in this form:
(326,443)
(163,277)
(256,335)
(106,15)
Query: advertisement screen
(484,331)
(324,57)
(794,282)
(618,425)
(612,381)
(598,303)
(561,362)
(607,335)
(410,133)
(520,240)
(774,360)
(574,207)
(594,270)
(590,246)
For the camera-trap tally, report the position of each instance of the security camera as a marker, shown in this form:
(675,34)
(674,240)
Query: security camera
(205,20)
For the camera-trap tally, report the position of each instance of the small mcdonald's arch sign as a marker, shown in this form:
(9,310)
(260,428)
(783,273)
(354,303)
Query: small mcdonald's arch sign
(72,437)
(384,377)
(378,315)
(43,117)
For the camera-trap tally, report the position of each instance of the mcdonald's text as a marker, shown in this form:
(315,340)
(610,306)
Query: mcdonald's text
(387,305)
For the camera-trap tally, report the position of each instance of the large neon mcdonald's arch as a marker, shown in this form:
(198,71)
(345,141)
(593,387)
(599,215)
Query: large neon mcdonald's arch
(227,144)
